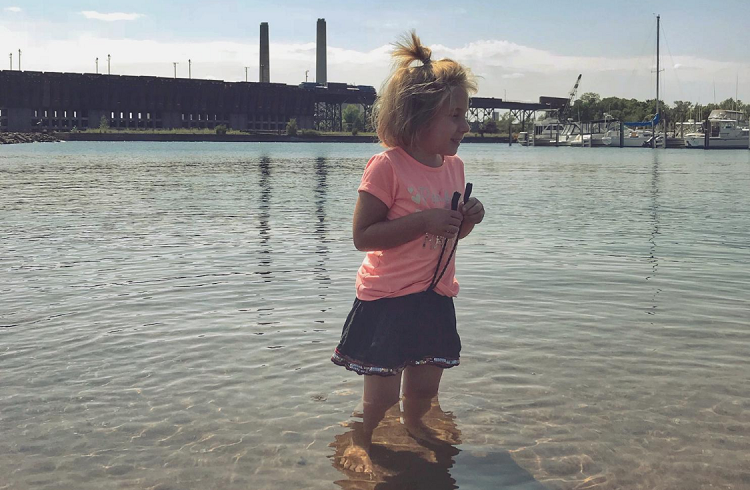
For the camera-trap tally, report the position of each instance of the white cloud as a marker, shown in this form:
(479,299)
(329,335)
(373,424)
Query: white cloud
(499,63)
(12,9)
(523,72)
(111,17)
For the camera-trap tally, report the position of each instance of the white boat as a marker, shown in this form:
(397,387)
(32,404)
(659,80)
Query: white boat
(554,129)
(580,140)
(632,137)
(727,129)
(593,132)
(687,127)
(547,132)
(635,134)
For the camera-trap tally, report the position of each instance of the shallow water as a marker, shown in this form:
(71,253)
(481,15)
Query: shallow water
(167,314)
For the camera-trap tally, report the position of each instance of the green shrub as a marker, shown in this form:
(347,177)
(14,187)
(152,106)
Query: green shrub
(310,133)
(291,127)
(103,124)
(221,129)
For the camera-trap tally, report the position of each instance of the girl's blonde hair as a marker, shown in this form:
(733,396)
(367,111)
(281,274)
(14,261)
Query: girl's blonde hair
(412,95)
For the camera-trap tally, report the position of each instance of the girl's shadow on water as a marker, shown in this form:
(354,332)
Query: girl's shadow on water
(437,462)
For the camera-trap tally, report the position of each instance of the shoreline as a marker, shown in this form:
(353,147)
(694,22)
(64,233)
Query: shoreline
(13,138)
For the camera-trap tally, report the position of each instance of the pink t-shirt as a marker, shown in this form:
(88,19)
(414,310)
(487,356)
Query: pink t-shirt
(407,186)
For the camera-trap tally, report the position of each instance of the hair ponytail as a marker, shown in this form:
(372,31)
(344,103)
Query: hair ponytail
(410,49)
(412,95)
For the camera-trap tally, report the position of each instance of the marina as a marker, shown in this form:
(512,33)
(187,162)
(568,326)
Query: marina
(728,130)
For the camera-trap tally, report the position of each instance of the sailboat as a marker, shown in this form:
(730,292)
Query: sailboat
(635,134)
(654,124)
(639,133)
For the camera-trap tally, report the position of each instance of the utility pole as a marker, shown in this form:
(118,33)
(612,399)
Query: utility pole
(97,65)
(175,69)
(190,69)
(246,73)
(108,66)
(306,72)
(11,61)
(19,60)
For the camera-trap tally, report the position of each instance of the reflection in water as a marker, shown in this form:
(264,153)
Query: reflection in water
(264,218)
(321,228)
(403,461)
(653,259)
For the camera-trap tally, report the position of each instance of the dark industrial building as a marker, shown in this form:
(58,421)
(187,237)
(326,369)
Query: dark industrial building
(36,101)
(60,101)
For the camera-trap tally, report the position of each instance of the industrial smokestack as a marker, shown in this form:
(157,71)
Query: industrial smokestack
(321,75)
(265,69)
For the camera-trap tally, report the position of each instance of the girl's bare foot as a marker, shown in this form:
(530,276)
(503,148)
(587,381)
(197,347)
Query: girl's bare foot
(421,432)
(356,454)
(357,459)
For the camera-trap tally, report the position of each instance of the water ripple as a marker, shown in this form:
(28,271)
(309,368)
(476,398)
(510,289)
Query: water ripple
(167,312)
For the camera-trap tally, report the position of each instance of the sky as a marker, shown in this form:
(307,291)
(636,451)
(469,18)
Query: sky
(519,50)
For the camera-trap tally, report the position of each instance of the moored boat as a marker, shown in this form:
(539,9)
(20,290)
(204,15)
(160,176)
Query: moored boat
(547,132)
(632,138)
(593,133)
(726,129)
(634,134)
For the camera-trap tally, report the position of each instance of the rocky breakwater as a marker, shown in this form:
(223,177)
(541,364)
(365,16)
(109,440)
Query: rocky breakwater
(11,138)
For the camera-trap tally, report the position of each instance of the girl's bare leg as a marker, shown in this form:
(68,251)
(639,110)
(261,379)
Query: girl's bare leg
(380,394)
(421,384)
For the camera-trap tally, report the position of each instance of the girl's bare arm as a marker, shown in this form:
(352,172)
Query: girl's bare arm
(373,231)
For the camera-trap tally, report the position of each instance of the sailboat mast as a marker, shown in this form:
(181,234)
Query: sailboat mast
(658,18)
(653,140)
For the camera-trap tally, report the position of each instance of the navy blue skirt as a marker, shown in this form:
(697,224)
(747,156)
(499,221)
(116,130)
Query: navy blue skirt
(385,335)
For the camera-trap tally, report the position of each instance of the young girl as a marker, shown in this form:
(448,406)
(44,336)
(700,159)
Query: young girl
(403,320)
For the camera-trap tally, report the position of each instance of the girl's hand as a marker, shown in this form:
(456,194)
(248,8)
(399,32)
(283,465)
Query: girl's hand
(473,211)
(442,222)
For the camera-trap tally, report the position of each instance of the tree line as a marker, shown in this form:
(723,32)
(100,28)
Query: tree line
(590,106)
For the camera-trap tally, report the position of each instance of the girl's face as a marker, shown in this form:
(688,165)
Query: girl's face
(446,130)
